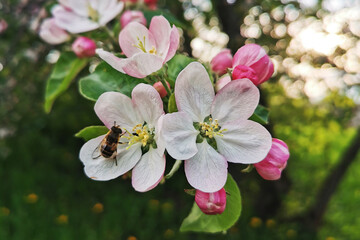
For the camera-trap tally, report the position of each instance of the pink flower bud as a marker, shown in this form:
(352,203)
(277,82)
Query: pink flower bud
(151,4)
(242,71)
(270,168)
(132,16)
(3,25)
(160,88)
(255,57)
(221,62)
(84,47)
(51,33)
(225,79)
(211,203)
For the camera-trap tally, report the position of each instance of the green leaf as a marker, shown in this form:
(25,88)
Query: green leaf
(175,65)
(66,69)
(172,104)
(197,221)
(170,17)
(105,79)
(91,132)
(261,115)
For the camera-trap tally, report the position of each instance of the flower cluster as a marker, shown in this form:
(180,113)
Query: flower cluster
(210,125)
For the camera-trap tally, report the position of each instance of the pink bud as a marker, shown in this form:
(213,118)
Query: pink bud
(242,71)
(151,4)
(51,33)
(3,25)
(221,82)
(255,57)
(221,62)
(84,47)
(132,16)
(270,168)
(211,203)
(160,88)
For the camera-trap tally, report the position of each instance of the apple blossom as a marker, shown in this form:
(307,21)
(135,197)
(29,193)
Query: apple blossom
(84,47)
(221,62)
(85,15)
(132,16)
(51,33)
(3,25)
(161,89)
(271,167)
(146,49)
(140,149)
(211,203)
(210,130)
(252,58)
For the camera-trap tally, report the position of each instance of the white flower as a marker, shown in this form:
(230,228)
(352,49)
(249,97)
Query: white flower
(209,131)
(140,149)
(77,16)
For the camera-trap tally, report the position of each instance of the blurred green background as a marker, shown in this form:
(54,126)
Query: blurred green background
(314,102)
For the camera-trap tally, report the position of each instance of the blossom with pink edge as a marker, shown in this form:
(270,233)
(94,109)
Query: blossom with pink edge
(271,167)
(51,33)
(77,16)
(221,62)
(140,149)
(146,49)
(84,47)
(132,16)
(210,130)
(211,203)
(252,62)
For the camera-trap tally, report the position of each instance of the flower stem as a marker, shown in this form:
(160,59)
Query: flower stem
(163,81)
(174,169)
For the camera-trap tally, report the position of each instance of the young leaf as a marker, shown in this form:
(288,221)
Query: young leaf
(105,79)
(261,115)
(91,132)
(197,221)
(176,64)
(66,69)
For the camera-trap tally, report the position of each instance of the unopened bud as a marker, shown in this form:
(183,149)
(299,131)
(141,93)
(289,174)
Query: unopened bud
(271,167)
(211,203)
(221,62)
(160,88)
(84,47)
(255,57)
(132,16)
(242,71)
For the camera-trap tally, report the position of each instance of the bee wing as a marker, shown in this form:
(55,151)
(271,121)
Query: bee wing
(96,153)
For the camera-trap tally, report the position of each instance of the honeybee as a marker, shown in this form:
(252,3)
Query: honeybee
(108,146)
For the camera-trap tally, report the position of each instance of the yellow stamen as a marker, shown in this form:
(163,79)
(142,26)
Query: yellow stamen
(211,129)
(142,47)
(141,135)
(93,14)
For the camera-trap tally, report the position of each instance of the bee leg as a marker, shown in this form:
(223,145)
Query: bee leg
(96,157)
(115,161)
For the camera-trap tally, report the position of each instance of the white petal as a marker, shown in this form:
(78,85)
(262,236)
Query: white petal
(244,141)
(71,21)
(207,170)
(141,65)
(237,100)
(103,169)
(194,92)
(161,30)
(109,11)
(112,60)
(116,107)
(179,135)
(149,170)
(148,103)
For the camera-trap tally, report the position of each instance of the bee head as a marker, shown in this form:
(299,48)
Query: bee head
(116,129)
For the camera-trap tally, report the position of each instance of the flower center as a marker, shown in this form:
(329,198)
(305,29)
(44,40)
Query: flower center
(141,45)
(93,14)
(208,129)
(141,133)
